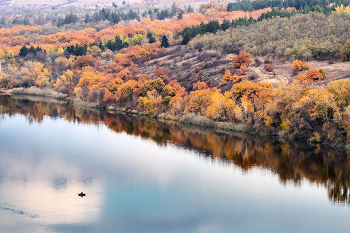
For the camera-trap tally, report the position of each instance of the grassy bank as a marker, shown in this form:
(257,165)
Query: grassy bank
(35,91)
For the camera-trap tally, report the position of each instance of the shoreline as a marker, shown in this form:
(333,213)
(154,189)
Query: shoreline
(187,119)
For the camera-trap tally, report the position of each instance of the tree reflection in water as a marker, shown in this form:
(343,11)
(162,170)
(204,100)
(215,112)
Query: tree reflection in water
(292,162)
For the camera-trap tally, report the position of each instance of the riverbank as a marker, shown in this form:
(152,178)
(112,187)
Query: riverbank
(187,119)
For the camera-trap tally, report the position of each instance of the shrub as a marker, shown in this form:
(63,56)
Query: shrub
(257,61)
(166,100)
(312,75)
(242,58)
(300,66)
(199,85)
(269,68)
(253,77)
(243,69)
(323,73)
(268,61)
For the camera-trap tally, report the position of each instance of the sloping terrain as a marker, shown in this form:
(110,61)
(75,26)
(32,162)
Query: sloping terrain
(190,66)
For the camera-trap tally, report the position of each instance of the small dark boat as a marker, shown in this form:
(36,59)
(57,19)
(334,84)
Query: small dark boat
(81,194)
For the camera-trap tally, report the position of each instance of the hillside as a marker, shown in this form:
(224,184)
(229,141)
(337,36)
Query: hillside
(309,36)
(282,71)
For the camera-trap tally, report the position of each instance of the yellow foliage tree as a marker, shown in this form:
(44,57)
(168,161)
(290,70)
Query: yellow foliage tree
(300,66)
(94,51)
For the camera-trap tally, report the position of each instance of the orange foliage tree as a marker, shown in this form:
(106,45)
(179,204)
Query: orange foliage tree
(243,58)
(313,75)
(229,77)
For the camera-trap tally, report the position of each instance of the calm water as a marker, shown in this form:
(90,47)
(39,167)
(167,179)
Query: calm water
(143,175)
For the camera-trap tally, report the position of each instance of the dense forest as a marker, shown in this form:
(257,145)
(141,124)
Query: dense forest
(134,59)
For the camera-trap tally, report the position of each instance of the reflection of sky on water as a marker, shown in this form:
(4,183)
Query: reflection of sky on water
(132,185)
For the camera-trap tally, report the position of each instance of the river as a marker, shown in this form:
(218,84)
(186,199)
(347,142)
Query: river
(145,175)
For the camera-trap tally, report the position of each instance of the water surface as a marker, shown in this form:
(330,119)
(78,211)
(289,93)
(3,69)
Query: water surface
(143,175)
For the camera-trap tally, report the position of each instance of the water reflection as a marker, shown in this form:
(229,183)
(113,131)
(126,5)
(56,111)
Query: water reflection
(292,162)
(25,192)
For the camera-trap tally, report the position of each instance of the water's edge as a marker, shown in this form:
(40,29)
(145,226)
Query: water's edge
(223,127)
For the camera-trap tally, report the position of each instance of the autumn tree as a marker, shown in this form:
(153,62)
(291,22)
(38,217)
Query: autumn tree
(229,77)
(341,93)
(269,68)
(223,107)
(94,51)
(313,75)
(65,83)
(125,91)
(300,66)
(34,74)
(61,64)
(199,85)
(162,73)
(242,58)
(83,61)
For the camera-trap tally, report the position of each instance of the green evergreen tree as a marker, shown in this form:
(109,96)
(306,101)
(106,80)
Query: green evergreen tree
(23,52)
(165,42)
(32,50)
(225,25)
(151,38)
(180,15)
(189,9)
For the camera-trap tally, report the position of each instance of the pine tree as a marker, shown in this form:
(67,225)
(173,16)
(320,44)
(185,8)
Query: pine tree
(186,39)
(23,52)
(151,37)
(165,42)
